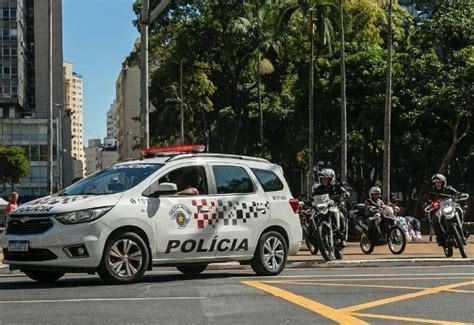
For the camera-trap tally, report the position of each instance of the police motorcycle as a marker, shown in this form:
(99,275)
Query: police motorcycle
(450,218)
(305,214)
(389,232)
(328,237)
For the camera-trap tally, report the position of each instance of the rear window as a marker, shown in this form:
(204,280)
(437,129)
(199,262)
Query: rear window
(232,180)
(268,179)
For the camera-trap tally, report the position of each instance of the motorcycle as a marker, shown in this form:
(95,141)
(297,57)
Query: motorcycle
(305,219)
(450,218)
(329,239)
(389,232)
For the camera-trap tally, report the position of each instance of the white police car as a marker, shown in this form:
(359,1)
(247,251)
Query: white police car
(185,210)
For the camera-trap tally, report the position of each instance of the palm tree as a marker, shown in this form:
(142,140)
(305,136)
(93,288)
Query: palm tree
(321,15)
(343,98)
(388,109)
(257,25)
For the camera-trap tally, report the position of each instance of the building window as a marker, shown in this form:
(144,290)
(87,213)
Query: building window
(6,51)
(6,13)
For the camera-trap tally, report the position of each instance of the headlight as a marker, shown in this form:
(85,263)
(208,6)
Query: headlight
(447,210)
(81,216)
(321,206)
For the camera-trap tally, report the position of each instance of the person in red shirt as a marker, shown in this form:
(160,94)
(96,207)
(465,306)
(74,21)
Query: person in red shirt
(12,204)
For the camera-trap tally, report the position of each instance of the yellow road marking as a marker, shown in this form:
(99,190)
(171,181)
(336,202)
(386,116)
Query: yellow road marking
(323,310)
(406,319)
(389,300)
(370,279)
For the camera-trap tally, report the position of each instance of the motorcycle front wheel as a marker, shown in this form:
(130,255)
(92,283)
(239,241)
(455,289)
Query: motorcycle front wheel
(397,240)
(324,240)
(313,249)
(365,244)
(459,241)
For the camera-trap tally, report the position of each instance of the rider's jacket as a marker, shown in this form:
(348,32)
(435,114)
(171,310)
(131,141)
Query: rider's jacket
(371,206)
(446,190)
(337,192)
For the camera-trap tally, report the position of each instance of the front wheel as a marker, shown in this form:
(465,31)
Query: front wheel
(325,242)
(192,269)
(459,241)
(125,259)
(270,255)
(44,276)
(365,244)
(313,249)
(397,240)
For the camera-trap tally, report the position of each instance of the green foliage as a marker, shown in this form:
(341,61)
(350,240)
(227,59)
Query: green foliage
(14,165)
(218,41)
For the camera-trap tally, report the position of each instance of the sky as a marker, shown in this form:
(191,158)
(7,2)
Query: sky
(97,37)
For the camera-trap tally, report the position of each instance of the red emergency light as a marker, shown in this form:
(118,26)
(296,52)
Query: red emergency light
(176,149)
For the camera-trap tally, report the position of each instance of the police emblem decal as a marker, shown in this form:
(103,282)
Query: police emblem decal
(181,215)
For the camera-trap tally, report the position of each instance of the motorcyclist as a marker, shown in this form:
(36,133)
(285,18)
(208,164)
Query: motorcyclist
(371,210)
(440,188)
(337,192)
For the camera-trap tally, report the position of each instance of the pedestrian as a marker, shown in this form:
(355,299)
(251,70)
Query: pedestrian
(12,205)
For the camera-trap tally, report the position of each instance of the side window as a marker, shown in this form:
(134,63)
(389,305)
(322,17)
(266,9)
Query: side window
(268,179)
(185,178)
(232,180)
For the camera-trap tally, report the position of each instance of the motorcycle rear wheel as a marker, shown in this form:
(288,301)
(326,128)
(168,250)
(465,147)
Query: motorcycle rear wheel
(448,251)
(397,240)
(365,244)
(459,241)
(323,239)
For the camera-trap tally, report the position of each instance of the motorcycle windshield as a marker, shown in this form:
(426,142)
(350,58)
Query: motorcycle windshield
(446,204)
(318,199)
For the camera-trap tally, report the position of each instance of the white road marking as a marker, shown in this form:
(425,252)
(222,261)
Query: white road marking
(97,299)
(342,275)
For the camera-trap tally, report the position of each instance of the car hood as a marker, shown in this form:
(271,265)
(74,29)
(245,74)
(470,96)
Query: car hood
(58,204)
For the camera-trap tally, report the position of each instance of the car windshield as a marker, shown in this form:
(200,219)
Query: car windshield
(112,180)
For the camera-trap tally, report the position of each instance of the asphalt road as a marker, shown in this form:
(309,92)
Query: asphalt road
(298,296)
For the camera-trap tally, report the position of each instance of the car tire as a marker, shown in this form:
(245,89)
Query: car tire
(191,269)
(125,259)
(44,276)
(270,255)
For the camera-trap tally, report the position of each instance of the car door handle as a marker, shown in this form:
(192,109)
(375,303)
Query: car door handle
(261,209)
(205,210)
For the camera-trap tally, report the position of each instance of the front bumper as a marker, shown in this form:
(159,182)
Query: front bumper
(48,249)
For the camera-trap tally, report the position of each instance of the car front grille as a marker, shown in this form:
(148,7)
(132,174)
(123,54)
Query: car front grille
(28,225)
(33,255)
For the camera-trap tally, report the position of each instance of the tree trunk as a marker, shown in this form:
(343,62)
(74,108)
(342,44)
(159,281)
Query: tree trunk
(343,99)
(260,108)
(310,105)
(388,102)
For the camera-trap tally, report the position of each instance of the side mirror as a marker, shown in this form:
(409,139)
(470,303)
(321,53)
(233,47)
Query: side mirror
(164,189)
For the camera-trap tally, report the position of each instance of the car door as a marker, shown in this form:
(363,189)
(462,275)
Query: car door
(180,234)
(240,209)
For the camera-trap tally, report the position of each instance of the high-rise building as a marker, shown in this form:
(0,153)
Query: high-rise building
(73,104)
(99,156)
(112,121)
(24,90)
(128,112)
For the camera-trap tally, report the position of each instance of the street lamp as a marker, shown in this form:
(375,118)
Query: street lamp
(59,137)
(145,20)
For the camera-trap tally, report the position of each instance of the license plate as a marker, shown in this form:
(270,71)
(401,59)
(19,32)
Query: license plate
(18,246)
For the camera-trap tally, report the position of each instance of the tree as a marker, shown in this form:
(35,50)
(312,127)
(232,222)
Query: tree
(321,15)
(343,97)
(14,165)
(388,110)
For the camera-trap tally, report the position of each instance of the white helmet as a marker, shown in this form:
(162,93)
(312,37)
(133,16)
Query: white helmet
(439,178)
(329,173)
(373,190)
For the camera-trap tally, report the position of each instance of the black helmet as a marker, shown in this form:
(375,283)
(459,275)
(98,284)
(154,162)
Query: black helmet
(438,178)
(373,190)
(329,173)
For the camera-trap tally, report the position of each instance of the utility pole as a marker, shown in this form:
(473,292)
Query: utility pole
(145,20)
(181,98)
(343,99)
(310,104)
(50,97)
(388,111)
(144,101)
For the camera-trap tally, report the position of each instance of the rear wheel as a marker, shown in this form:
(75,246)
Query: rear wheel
(325,242)
(448,251)
(44,276)
(459,241)
(192,269)
(339,254)
(270,255)
(397,240)
(124,260)
(365,244)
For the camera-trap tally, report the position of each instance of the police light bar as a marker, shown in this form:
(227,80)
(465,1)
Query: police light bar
(176,149)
